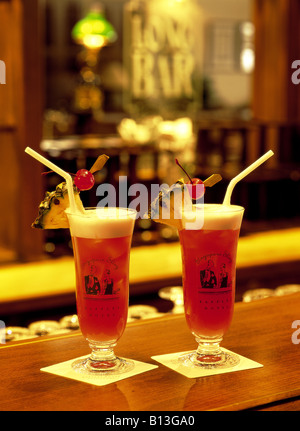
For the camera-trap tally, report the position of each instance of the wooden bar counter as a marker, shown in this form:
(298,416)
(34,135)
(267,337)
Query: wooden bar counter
(261,331)
(51,283)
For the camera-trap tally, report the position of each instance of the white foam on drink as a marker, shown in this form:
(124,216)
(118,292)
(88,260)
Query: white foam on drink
(101,222)
(217,216)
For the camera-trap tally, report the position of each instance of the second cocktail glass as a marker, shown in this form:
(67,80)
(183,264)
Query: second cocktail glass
(101,240)
(209,268)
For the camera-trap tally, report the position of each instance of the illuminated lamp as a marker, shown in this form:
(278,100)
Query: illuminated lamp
(94,31)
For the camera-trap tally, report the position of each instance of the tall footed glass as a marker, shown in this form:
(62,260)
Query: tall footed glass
(209,271)
(101,240)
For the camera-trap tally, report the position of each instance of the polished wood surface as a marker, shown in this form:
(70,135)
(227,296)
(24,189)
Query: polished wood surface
(260,330)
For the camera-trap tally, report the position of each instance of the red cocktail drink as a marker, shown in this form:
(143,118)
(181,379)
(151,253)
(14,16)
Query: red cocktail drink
(209,280)
(209,269)
(102,286)
(101,240)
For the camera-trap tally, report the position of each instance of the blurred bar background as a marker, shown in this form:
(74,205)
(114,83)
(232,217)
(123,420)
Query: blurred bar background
(206,81)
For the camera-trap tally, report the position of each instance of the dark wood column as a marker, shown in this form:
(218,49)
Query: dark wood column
(277,45)
(20,126)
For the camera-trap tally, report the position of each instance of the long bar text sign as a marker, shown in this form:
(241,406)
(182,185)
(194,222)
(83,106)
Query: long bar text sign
(159,53)
(161,62)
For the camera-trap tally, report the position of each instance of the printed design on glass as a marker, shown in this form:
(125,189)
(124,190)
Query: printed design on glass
(215,272)
(99,278)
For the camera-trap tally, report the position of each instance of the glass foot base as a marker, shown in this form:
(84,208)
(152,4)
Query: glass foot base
(222,359)
(106,367)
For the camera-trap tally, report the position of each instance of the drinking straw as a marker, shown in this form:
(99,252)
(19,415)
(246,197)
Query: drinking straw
(243,174)
(59,171)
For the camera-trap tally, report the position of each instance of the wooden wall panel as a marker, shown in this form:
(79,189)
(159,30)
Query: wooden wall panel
(20,125)
(277,45)
(7,117)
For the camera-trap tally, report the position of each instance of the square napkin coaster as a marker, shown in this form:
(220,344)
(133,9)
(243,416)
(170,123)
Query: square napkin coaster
(64,369)
(171,361)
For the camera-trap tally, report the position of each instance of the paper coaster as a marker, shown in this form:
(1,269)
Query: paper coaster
(64,369)
(171,361)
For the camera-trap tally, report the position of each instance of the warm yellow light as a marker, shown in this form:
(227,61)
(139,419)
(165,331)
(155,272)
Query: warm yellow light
(183,128)
(166,127)
(247,60)
(180,128)
(94,31)
(93,41)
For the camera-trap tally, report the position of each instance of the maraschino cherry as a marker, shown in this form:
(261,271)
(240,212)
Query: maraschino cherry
(195,192)
(84,179)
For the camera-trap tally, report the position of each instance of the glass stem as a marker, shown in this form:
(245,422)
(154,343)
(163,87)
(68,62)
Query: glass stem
(209,349)
(102,353)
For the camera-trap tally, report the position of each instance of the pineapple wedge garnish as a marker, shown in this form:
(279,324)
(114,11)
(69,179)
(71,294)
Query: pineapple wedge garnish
(174,206)
(168,206)
(52,209)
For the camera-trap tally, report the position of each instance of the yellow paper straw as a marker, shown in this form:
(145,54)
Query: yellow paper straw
(59,171)
(243,174)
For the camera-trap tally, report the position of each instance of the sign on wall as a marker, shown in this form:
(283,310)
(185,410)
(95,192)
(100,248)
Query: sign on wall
(162,55)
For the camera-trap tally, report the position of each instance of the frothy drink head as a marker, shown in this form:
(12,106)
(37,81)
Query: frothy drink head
(214,217)
(102,222)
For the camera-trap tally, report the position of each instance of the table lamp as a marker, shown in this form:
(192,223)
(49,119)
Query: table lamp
(93,32)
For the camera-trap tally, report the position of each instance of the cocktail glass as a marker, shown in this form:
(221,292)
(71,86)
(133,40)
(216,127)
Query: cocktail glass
(101,240)
(209,272)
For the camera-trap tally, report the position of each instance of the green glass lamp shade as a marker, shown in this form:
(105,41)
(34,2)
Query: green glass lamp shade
(93,31)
